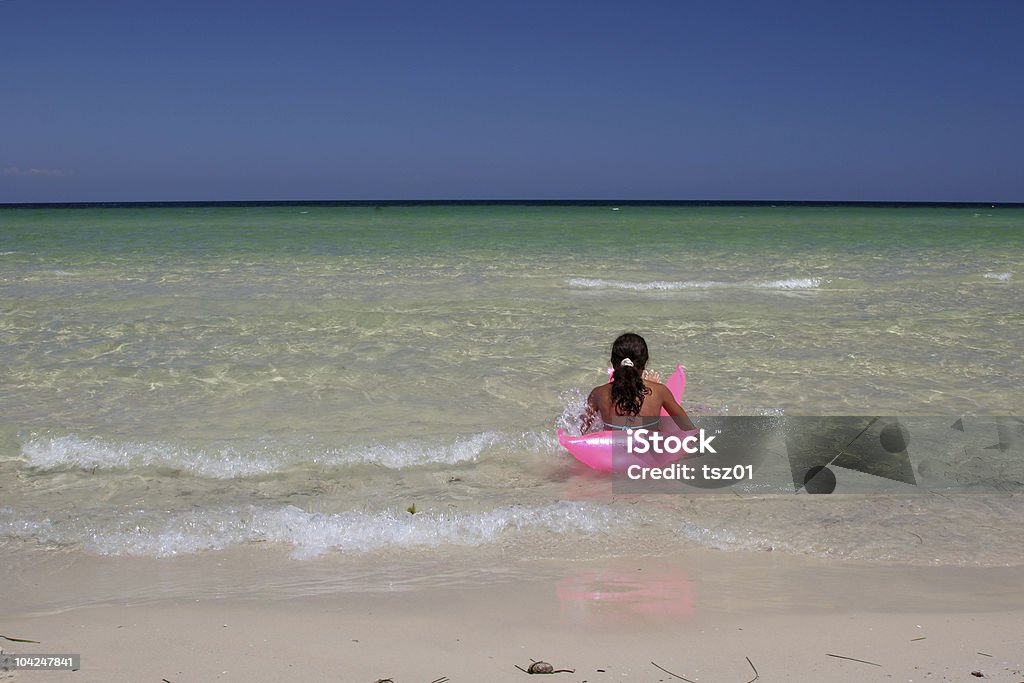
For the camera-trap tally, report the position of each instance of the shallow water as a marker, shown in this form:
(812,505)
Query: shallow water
(178,379)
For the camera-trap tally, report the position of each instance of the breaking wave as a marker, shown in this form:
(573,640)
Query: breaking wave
(667,286)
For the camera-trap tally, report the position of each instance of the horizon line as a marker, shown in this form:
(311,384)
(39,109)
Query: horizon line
(507,202)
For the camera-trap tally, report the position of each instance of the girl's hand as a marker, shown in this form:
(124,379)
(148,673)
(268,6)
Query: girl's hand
(652,376)
(589,418)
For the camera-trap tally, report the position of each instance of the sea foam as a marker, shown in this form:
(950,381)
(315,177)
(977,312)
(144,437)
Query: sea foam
(665,285)
(75,452)
(309,533)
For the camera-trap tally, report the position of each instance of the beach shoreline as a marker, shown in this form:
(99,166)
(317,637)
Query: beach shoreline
(701,615)
(192,489)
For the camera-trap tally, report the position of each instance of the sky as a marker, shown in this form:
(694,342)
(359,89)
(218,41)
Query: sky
(220,100)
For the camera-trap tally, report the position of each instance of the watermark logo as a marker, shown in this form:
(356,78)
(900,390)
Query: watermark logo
(640,441)
(822,455)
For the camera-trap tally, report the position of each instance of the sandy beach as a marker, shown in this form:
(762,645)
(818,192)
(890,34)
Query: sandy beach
(705,616)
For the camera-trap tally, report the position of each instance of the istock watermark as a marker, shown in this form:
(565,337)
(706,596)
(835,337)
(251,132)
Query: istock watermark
(640,441)
(822,455)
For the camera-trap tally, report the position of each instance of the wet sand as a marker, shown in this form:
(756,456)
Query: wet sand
(255,615)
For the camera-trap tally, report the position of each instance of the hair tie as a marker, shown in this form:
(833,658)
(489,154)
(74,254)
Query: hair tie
(626,361)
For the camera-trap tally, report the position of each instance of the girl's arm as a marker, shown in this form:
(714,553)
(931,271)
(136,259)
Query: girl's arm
(590,414)
(674,410)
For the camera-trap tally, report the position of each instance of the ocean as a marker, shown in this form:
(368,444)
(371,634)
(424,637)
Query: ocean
(188,379)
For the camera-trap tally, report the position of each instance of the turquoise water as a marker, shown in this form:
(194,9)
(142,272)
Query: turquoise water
(190,378)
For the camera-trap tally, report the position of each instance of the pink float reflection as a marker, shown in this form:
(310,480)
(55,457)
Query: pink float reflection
(641,593)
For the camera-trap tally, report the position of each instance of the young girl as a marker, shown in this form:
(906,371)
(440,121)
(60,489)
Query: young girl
(634,398)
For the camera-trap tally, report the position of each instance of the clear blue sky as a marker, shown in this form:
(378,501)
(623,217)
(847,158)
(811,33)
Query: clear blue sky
(138,100)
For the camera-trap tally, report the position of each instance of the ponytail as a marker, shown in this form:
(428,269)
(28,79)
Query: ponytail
(629,358)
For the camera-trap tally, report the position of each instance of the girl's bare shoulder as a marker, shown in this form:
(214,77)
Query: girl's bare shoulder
(655,388)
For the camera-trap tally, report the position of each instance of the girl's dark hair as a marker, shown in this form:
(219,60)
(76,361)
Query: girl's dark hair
(628,389)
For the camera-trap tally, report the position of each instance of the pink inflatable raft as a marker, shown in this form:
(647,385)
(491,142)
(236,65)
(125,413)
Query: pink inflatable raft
(595,449)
